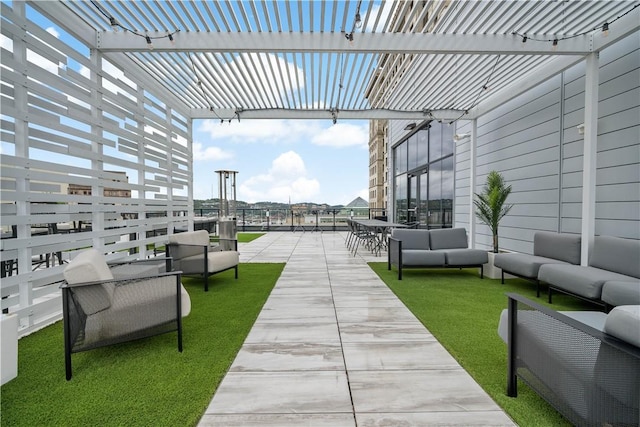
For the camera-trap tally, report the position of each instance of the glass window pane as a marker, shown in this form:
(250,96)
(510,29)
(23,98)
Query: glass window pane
(401,158)
(435,141)
(423,147)
(401,198)
(412,152)
(447,140)
(447,191)
(435,195)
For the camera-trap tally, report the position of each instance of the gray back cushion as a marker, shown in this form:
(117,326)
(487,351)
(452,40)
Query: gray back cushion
(616,254)
(448,238)
(412,239)
(563,247)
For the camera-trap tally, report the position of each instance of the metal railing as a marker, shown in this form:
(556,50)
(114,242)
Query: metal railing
(288,219)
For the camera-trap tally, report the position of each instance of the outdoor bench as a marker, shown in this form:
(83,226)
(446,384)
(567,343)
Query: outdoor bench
(611,278)
(548,248)
(441,248)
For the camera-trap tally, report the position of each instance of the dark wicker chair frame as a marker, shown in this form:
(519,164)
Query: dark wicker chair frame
(158,311)
(590,377)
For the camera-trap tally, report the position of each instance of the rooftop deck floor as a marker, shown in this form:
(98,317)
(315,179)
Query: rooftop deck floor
(333,346)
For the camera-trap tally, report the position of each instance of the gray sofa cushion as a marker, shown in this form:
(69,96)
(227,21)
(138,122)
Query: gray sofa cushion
(523,264)
(422,258)
(580,280)
(217,260)
(412,239)
(563,247)
(616,254)
(448,238)
(616,292)
(623,322)
(465,256)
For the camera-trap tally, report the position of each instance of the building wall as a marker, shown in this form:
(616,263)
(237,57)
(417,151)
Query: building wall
(534,142)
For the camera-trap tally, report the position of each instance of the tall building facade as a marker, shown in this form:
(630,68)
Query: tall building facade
(378,166)
(381,87)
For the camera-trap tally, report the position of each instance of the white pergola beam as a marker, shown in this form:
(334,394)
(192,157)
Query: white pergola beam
(416,43)
(285,113)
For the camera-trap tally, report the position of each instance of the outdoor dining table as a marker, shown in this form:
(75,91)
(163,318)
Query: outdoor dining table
(380,229)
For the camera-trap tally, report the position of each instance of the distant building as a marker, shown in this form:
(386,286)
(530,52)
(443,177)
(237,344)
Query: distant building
(85,190)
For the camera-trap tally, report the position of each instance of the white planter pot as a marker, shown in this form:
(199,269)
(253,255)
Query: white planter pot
(9,347)
(493,272)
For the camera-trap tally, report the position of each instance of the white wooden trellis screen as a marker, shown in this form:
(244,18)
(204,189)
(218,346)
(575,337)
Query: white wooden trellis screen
(72,118)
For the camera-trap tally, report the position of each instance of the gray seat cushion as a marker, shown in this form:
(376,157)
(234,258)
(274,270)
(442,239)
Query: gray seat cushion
(448,238)
(616,254)
(580,280)
(412,239)
(617,292)
(623,322)
(523,264)
(218,261)
(563,247)
(422,258)
(465,256)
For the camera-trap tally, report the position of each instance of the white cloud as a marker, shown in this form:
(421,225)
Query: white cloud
(201,153)
(286,179)
(343,135)
(53,32)
(284,132)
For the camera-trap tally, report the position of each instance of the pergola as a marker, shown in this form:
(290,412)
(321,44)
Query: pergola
(119,88)
(320,59)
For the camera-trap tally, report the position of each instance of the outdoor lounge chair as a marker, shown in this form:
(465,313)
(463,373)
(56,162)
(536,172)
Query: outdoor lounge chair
(191,253)
(103,306)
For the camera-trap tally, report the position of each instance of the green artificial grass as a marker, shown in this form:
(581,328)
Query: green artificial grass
(248,237)
(145,382)
(463,311)
(242,237)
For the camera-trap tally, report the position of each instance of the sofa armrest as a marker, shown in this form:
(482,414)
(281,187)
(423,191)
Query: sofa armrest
(394,254)
(573,366)
(163,263)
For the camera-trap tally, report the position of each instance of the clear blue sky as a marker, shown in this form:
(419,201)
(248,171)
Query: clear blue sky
(304,160)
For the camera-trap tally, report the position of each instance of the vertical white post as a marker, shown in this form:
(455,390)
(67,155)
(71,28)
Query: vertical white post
(97,164)
(472,182)
(190,209)
(23,185)
(589,155)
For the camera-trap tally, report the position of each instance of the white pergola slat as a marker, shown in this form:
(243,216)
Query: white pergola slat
(249,50)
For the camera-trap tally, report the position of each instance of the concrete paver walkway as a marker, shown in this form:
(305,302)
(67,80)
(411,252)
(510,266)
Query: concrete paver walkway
(333,346)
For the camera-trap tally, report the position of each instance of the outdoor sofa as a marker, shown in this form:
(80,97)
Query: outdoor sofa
(586,364)
(107,304)
(612,277)
(192,253)
(440,248)
(548,248)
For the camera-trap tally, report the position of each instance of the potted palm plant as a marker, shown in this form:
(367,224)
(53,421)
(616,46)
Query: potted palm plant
(491,207)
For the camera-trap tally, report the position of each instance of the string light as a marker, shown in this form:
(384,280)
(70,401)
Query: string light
(604,27)
(115,25)
(358,20)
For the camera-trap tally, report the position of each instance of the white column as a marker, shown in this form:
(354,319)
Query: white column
(97,164)
(589,155)
(472,182)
